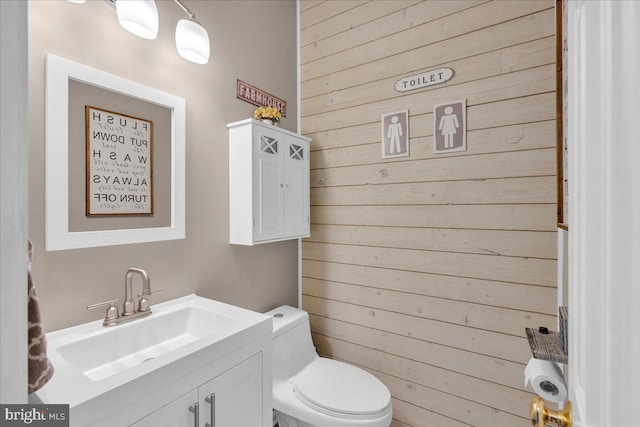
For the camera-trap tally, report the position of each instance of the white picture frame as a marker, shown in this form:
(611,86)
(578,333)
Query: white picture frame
(58,73)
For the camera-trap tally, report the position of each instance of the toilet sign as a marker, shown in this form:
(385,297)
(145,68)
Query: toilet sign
(428,78)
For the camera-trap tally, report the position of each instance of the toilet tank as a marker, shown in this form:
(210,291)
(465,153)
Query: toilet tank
(292,345)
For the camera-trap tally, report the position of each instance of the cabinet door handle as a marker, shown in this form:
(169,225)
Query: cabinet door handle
(211,399)
(196,411)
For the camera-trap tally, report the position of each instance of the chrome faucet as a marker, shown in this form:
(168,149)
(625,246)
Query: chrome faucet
(128,309)
(127,306)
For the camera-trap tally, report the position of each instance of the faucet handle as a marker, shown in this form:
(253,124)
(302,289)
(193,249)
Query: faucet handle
(111,313)
(143,303)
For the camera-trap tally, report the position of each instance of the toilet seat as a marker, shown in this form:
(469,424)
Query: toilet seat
(340,390)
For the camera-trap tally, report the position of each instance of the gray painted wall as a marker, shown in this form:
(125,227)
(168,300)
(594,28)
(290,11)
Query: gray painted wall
(254,41)
(13,202)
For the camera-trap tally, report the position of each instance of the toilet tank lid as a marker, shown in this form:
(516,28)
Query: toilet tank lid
(286,317)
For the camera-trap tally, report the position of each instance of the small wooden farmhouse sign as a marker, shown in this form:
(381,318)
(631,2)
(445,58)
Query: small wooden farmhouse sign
(119,163)
(428,78)
(255,96)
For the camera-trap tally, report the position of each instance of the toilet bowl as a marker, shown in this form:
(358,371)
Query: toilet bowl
(309,390)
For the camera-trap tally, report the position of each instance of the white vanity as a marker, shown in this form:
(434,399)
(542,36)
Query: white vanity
(193,362)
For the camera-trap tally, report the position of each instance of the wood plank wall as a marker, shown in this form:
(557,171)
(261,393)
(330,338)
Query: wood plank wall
(425,270)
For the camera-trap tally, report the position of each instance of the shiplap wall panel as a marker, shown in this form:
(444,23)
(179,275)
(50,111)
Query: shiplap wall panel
(513,58)
(308,4)
(513,164)
(482,366)
(499,345)
(489,217)
(349,20)
(448,405)
(511,33)
(448,28)
(533,271)
(420,417)
(348,146)
(480,191)
(425,269)
(325,10)
(510,112)
(492,89)
(471,388)
(486,292)
(383,27)
(505,321)
(534,244)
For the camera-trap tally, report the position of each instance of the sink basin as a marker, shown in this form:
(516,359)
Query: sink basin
(112,350)
(145,354)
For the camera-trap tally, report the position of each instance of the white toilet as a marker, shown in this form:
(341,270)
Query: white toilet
(309,390)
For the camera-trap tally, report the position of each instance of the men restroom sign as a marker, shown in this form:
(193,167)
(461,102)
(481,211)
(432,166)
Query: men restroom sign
(428,78)
(395,134)
(119,163)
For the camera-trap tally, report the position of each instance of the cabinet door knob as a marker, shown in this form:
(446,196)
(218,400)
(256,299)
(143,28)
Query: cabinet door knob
(211,399)
(195,408)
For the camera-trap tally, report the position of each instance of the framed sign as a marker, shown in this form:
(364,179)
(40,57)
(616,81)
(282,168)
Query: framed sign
(450,127)
(395,134)
(69,88)
(119,168)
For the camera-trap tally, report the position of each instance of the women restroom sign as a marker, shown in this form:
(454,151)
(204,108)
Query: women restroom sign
(450,127)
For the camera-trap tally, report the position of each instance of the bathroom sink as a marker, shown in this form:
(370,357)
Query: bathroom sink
(180,336)
(109,351)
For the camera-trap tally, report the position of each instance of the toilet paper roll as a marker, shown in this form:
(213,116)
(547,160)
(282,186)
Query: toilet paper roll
(546,380)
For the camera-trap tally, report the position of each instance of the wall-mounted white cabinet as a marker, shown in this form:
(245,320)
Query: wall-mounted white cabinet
(268,183)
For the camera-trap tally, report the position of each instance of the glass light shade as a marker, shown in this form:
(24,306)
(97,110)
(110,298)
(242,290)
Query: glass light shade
(192,41)
(139,17)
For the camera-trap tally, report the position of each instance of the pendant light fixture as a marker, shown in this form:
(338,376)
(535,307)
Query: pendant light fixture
(139,17)
(192,40)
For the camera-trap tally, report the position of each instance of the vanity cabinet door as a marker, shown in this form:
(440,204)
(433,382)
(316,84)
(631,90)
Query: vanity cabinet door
(235,396)
(232,399)
(175,414)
